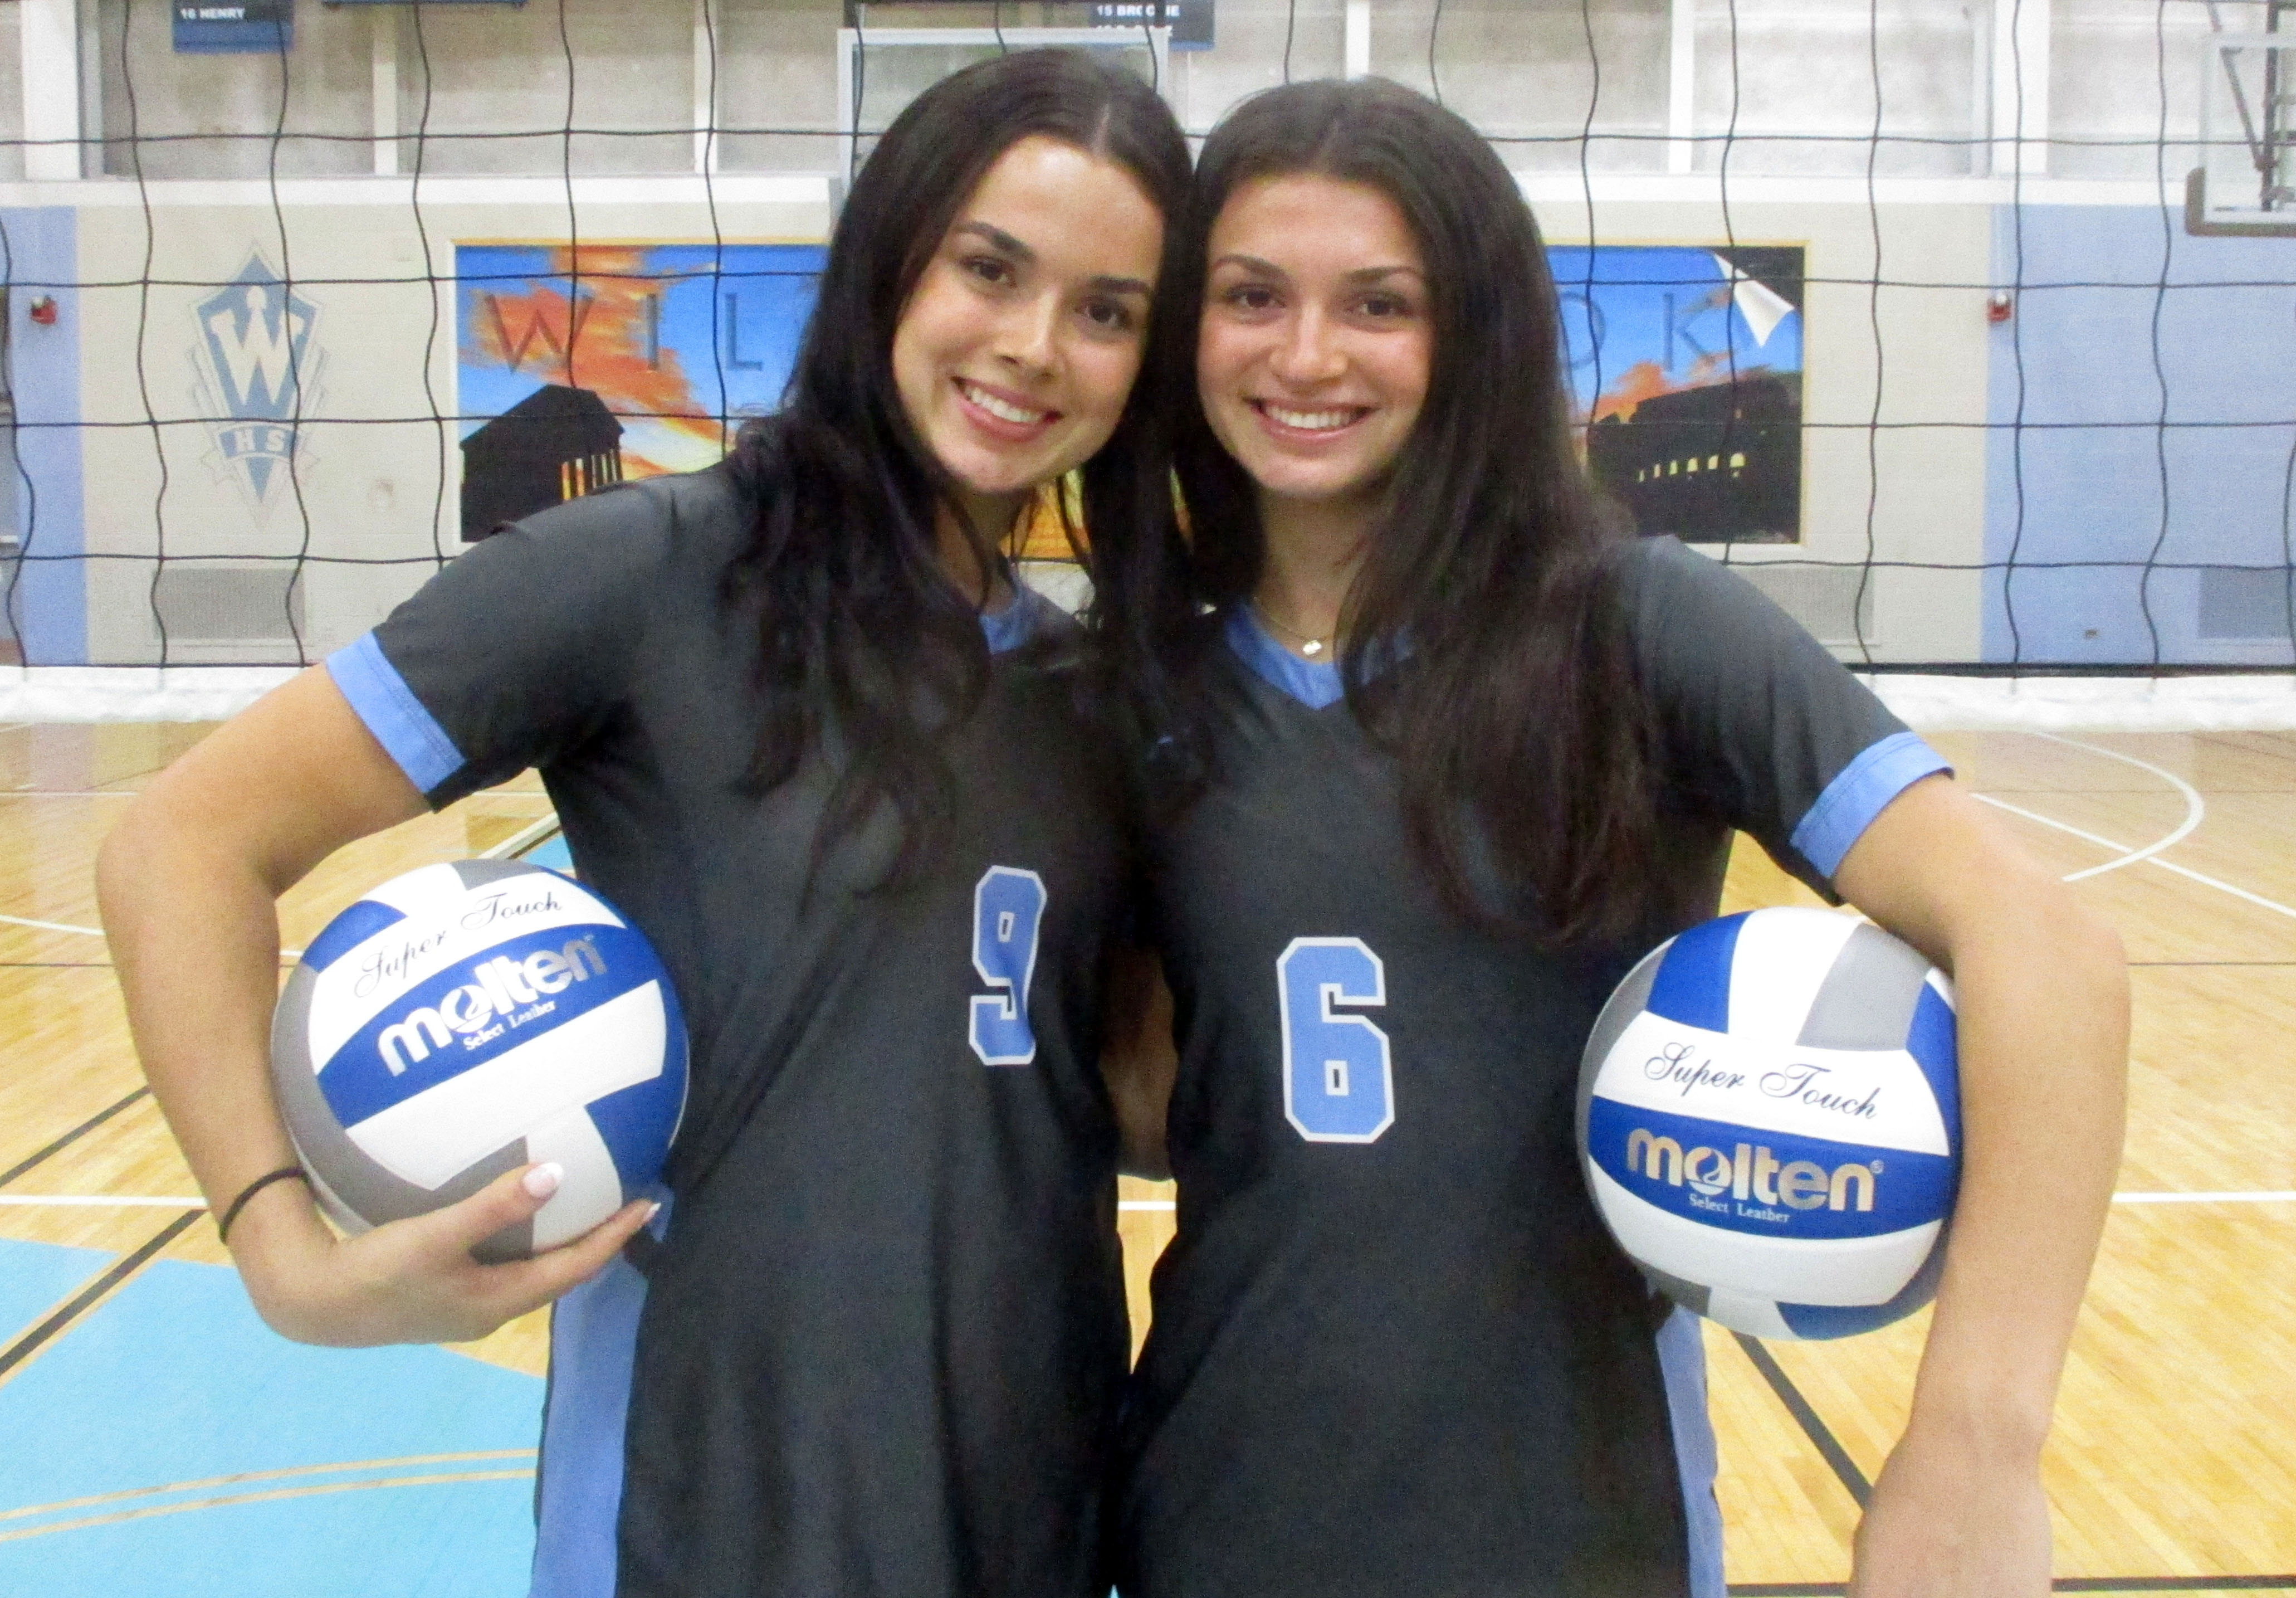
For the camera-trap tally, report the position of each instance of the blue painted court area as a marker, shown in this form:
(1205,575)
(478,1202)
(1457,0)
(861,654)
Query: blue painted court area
(36,1277)
(551,851)
(171,1445)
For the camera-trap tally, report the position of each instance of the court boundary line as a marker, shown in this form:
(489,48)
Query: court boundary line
(1813,1425)
(86,932)
(62,1318)
(73,1136)
(100,1201)
(274,1495)
(2195,808)
(525,838)
(2166,865)
(535,832)
(287,1473)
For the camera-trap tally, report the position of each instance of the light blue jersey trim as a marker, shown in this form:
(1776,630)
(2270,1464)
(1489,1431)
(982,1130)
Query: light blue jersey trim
(408,732)
(1862,791)
(1311,682)
(1682,1362)
(593,1338)
(1017,622)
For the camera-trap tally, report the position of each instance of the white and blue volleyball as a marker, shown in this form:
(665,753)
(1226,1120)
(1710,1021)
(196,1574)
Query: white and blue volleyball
(468,1018)
(1769,1113)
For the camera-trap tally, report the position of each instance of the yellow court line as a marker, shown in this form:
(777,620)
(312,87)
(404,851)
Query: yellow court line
(281,1475)
(275,1495)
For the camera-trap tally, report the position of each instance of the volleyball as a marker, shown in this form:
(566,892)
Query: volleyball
(468,1019)
(1769,1117)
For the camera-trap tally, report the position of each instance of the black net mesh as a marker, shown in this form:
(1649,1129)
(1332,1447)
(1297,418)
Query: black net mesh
(1900,307)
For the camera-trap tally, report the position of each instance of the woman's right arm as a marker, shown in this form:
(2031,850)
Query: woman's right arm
(187,881)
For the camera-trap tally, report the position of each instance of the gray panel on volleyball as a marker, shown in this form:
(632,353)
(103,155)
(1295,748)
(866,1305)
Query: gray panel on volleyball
(1868,1000)
(362,1191)
(1616,1016)
(477,873)
(1690,1295)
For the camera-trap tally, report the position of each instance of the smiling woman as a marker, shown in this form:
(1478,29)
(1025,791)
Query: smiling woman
(1019,342)
(1393,1350)
(1313,356)
(801,725)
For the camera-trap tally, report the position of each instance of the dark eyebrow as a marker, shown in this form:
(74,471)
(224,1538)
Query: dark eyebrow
(1001,239)
(1268,268)
(1250,263)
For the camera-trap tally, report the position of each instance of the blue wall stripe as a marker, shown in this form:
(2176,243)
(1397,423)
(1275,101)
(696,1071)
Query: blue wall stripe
(45,373)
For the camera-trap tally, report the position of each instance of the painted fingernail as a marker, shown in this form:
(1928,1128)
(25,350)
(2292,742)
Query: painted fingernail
(544,1178)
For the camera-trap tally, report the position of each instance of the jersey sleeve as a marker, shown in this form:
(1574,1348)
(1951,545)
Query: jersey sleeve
(516,651)
(1759,724)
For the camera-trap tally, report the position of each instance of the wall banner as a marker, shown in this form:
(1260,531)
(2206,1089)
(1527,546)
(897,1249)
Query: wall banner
(1686,371)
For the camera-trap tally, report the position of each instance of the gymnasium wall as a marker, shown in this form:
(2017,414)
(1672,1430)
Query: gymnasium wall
(2140,323)
(1859,132)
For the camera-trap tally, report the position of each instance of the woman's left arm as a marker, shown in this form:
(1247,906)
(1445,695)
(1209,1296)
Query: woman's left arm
(2042,991)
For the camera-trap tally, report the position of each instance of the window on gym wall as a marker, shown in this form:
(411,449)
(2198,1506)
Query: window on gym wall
(2109,66)
(596,87)
(776,72)
(12,96)
(202,115)
(501,78)
(1788,87)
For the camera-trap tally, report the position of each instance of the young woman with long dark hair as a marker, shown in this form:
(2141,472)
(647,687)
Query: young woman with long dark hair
(796,717)
(1435,753)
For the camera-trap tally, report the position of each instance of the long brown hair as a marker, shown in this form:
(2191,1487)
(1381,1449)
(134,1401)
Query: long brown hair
(857,625)
(1482,651)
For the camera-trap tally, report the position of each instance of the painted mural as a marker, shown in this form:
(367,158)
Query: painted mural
(1686,371)
(581,368)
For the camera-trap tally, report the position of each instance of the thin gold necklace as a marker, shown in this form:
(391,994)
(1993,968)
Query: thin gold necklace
(1309,644)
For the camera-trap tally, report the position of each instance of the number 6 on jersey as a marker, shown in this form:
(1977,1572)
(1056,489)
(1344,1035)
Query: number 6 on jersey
(1338,1081)
(1008,911)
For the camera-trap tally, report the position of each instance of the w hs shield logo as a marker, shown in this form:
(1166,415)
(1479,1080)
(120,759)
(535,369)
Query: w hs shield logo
(255,336)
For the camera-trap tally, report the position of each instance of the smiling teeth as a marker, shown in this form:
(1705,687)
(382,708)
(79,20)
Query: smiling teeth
(1003,410)
(1311,421)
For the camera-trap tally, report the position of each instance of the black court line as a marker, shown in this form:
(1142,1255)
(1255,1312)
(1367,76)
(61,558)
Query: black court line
(1853,1480)
(2224,743)
(2065,1584)
(25,1347)
(71,1137)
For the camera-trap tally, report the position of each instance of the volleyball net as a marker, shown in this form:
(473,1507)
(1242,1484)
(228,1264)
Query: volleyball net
(1968,332)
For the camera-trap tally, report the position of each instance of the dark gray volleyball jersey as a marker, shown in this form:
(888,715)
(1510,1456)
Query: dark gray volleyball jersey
(879,1349)
(1394,1351)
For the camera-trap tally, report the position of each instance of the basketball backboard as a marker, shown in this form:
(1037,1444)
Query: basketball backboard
(2246,182)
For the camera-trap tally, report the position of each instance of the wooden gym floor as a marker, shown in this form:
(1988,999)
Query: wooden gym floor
(160,1441)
